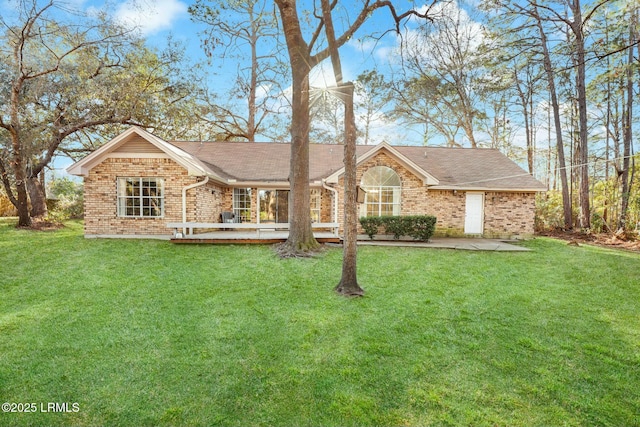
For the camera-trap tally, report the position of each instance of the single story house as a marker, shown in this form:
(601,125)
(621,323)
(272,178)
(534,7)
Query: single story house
(138,183)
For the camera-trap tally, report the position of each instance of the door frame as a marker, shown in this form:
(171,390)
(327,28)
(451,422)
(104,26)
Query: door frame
(467,223)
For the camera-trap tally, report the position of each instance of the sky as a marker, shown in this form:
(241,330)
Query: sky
(373,46)
(157,19)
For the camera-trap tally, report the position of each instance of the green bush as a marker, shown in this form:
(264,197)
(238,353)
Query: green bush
(549,214)
(395,225)
(423,227)
(420,227)
(370,225)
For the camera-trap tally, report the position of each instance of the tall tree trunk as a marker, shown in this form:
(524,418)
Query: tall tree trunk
(24,219)
(300,233)
(37,197)
(301,237)
(16,162)
(17,199)
(627,129)
(524,99)
(349,282)
(583,160)
(566,198)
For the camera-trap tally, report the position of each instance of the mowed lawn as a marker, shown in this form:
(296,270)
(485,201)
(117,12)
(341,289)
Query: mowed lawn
(146,333)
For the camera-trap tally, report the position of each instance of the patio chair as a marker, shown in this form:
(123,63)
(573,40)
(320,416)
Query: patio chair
(227,217)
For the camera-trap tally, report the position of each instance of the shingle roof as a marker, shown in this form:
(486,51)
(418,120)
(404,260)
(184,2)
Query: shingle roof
(463,168)
(263,161)
(471,168)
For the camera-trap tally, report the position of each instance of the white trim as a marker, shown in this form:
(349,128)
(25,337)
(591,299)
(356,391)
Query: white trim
(243,226)
(141,197)
(379,189)
(234,199)
(335,200)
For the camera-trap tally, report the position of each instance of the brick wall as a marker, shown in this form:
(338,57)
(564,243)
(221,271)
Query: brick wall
(509,214)
(448,208)
(208,203)
(326,206)
(506,214)
(100,200)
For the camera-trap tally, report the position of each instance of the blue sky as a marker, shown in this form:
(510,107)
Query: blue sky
(159,18)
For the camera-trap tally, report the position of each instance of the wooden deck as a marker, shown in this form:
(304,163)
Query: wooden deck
(266,233)
(250,237)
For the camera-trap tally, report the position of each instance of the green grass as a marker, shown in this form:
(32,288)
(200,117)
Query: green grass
(143,333)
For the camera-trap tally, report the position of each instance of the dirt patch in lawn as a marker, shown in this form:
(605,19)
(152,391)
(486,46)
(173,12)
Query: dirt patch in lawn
(39,224)
(626,241)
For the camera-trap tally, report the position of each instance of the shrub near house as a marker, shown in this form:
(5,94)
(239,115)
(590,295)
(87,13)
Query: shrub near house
(419,227)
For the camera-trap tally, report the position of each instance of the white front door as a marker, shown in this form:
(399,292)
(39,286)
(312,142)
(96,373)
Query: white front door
(473,214)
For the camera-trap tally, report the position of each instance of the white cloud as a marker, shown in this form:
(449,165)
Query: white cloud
(263,90)
(150,16)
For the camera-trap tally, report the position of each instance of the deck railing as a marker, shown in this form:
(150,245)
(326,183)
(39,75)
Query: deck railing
(188,227)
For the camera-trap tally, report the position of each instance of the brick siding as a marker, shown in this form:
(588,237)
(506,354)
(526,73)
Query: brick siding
(506,214)
(100,200)
(509,214)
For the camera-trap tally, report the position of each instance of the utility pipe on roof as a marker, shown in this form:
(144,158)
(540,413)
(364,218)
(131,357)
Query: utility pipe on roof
(184,200)
(335,201)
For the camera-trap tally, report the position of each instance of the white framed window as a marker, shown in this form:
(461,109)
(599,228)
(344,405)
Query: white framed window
(383,191)
(140,197)
(242,204)
(315,205)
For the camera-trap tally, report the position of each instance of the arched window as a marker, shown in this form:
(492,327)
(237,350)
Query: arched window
(382,185)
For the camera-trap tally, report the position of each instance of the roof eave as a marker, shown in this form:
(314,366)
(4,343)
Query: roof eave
(493,189)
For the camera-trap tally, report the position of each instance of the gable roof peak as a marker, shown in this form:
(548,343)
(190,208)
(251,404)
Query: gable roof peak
(426,177)
(191,163)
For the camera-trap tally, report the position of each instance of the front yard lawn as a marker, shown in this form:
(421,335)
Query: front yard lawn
(141,333)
